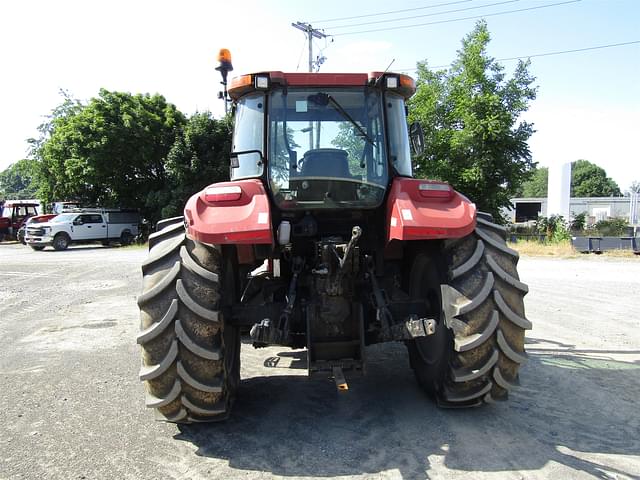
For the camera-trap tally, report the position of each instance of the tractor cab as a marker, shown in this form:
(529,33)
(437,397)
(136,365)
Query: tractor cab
(329,143)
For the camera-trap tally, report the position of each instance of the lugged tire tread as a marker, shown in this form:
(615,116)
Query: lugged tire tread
(176,284)
(495,243)
(479,298)
(193,347)
(179,417)
(200,410)
(509,352)
(484,311)
(464,344)
(168,221)
(195,307)
(161,286)
(490,225)
(157,328)
(156,402)
(506,277)
(190,380)
(167,232)
(458,397)
(501,381)
(161,253)
(466,375)
(470,263)
(512,316)
(149,372)
(191,264)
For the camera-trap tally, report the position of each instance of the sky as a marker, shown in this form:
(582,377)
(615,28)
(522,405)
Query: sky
(588,103)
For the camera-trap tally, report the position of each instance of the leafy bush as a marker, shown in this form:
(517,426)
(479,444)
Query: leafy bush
(554,227)
(614,227)
(579,222)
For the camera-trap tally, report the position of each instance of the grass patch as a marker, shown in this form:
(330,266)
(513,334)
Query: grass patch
(621,254)
(136,246)
(562,249)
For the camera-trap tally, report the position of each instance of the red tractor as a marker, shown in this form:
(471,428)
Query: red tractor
(14,214)
(323,240)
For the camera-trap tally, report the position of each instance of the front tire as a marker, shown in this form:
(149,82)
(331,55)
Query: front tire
(190,355)
(483,307)
(61,241)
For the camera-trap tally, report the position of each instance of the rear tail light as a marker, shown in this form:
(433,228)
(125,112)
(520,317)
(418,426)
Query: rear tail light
(222,194)
(435,190)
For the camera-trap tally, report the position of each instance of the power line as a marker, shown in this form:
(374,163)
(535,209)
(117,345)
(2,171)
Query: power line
(304,44)
(546,54)
(389,13)
(458,19)
(425,15)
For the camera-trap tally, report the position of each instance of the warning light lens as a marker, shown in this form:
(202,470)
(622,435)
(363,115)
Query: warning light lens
(224,55)
(222,194)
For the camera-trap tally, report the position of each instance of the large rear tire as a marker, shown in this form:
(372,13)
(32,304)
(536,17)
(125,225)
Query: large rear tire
(477,357)
(190,355)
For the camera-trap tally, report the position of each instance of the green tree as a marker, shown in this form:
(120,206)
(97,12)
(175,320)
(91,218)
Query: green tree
(18,181)
(198,157)
(590,180)
(110,152)
(537,185)
(470,116)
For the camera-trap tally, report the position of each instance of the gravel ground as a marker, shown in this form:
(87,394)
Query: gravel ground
(72,406)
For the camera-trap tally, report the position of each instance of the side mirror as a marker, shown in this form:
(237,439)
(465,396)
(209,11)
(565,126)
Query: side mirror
(416,137)
(247,156)
(78,221)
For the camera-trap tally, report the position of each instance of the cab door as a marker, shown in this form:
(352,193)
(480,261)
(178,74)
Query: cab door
(92,226)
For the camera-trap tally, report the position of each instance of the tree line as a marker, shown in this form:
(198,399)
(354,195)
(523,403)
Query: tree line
(587,180)
(120,149)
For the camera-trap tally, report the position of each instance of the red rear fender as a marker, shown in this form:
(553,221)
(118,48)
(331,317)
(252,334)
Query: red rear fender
(424,210)
(230,212)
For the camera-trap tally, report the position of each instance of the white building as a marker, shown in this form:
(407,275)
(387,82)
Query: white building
(596,208)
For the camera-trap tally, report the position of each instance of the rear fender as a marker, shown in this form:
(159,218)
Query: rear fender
(246,220)
(427,210)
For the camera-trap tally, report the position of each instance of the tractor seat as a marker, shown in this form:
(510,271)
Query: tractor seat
(326,162)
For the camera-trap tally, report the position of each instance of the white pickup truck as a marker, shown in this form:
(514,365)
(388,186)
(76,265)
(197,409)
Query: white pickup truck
(85,226)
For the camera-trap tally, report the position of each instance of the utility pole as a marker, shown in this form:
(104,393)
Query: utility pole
(311,34)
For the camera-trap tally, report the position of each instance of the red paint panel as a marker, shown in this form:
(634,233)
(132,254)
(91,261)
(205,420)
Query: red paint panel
(411,216)
(322,79)
(243,221)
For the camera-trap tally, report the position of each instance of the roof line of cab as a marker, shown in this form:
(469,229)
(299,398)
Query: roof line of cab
(262,81)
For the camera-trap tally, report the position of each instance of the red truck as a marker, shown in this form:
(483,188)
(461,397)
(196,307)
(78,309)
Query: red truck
(14,215)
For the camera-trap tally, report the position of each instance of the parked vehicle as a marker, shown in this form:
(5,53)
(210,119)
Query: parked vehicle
(31,220)
(14,214)
(85,226)
(65,207)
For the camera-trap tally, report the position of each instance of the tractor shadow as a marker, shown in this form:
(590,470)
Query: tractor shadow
(574,406)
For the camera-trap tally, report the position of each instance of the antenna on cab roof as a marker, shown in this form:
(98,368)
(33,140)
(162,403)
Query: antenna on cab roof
(385,71)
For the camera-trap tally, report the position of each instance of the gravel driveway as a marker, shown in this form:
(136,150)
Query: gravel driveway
(72,406)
